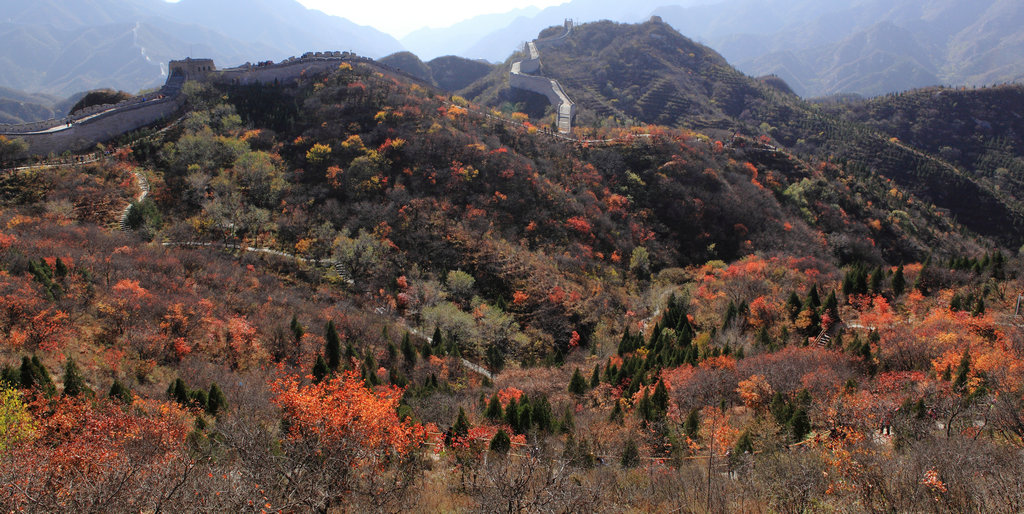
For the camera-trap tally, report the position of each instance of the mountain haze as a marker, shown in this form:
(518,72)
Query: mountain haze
(62,47)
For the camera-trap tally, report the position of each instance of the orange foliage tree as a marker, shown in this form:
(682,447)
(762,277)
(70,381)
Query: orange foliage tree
(344,438)
(87,456)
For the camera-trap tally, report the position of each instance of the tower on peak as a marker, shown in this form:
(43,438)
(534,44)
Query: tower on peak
(191,69)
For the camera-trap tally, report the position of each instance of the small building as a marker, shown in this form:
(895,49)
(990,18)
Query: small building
(191,69)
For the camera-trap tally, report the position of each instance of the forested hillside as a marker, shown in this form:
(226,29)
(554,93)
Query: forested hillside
(355,292)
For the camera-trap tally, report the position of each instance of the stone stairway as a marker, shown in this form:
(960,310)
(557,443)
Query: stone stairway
(823,339)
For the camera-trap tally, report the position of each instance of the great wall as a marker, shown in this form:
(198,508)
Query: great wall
(84,129)
(100,123)
(522,75)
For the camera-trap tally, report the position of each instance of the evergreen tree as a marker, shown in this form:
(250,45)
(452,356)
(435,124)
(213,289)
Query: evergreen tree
(660,397)
(899,283)
(60,270)
(179,392)
(780,409)
(541,413)
(875,282)
(501,443)
(297,330)
(332,346)
(408,350)
(74,384)
(120,393)
(397,378)
(595,378)
(525,416)
(962,372)
(630,454)
(692,425)
(512,415)
(568,423)
(436,340)
(794,306)
(33,374)
(869,360)
(979,307)
(461,426)
(744,444)
(493,412)
(801,424)
(616,415)
(216,401)
(320,369)
(813,299)
(832,306)
(577,385)
(645,408)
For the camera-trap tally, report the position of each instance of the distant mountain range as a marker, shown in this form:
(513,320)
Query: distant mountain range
(820,48)
(61,47)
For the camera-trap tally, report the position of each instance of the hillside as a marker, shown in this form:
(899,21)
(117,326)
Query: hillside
(351,291)
(648,73)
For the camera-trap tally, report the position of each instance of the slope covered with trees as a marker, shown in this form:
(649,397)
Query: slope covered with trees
(352,292)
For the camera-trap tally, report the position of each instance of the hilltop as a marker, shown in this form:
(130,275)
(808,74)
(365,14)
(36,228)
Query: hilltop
(648,73)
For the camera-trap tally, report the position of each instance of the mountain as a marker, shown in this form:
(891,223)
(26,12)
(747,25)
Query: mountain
(65,47)
(411,64)
(868,47)
(453,73)
(457,39)
(450,72)
(343,291)
(650,74)
(20,107)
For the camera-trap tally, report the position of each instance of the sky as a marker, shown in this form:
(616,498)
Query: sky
(400,17)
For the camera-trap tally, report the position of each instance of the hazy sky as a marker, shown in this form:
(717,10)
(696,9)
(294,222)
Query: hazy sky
(400,17)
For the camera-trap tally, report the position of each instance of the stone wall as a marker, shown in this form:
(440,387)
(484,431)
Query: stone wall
(101,123)
(521,76)
(103,127)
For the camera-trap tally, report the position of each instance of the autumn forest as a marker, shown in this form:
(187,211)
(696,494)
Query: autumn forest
(356,292)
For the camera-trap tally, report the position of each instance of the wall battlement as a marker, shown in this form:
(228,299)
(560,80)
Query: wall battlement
(523,75)
(101,123)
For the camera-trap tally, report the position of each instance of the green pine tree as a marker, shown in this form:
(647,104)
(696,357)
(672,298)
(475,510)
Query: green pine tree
(801,424)
(501,443)
(120,393)
(692,424)
(216,401)
(595,378)
(74,383)
(408,350)
(899,282)
(332,346)
(660,397)
(320,369)
(577,385)
(745,444)
(630,454)
(461,426)
(493,411)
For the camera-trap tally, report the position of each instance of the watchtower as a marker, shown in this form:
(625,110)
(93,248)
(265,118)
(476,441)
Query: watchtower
(191,69)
